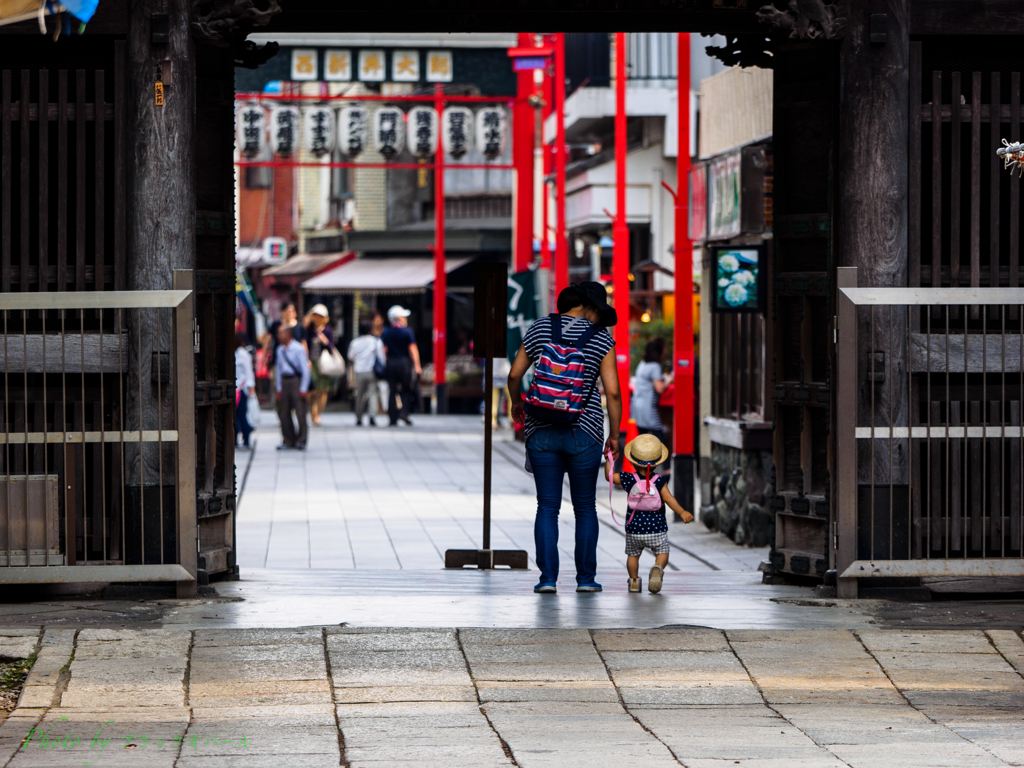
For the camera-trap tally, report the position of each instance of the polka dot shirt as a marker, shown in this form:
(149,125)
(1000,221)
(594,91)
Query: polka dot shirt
(644,522)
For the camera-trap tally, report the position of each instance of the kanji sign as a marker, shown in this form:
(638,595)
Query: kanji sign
(423,131)
(439,67)
(304,63)
(252,130)
(319,131)
(389,131)
(337,65)
(491,131)
(405,66)
(353,130)
(372,66)
(457,131)
(284,130)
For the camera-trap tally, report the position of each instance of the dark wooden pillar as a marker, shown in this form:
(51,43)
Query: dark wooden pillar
(161,235)
(873,225)
(161,172)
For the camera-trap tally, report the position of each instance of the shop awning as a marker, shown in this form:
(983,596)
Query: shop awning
(387,275)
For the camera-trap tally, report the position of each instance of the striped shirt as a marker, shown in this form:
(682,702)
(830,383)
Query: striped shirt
(539,334)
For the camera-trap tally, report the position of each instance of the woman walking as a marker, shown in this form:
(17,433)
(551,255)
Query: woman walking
(564,421)
(649,382)
(245,387)
(321,339)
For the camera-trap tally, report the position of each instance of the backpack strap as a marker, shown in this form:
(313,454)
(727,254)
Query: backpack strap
(587,335)
(556,328)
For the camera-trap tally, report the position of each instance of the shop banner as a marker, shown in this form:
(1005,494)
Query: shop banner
(522,307)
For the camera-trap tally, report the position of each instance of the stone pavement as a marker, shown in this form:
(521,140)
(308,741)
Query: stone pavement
(695,697)
(383,499)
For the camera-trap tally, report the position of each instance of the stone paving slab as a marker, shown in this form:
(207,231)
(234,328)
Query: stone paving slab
(440,699)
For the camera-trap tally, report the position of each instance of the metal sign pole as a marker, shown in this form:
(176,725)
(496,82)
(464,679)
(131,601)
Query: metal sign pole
(490,302)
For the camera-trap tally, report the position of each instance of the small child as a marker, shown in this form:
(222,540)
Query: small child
(647,528)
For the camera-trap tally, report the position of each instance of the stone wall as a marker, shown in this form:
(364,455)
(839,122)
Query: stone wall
(740,489)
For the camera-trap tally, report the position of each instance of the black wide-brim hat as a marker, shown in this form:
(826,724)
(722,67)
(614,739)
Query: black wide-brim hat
(598,296)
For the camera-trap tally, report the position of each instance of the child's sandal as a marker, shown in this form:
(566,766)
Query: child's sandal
(654,580)
(635,585)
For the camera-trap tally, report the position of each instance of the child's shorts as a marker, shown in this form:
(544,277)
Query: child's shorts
(637,542)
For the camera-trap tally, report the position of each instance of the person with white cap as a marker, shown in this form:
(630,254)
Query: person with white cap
(403,360)
(321,337)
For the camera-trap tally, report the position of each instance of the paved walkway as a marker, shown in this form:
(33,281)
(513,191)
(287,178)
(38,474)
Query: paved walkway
(477,698)
(383,499)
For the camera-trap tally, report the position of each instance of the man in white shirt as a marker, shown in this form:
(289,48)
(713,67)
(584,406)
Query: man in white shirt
(291,373)
(365,352)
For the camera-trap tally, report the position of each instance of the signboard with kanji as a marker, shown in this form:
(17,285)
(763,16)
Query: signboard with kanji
(337,65)
(372,66)
(305,63)
(439,67)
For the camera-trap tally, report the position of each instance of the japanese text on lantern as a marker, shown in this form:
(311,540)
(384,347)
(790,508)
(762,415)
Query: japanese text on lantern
(252,128)
(387,134)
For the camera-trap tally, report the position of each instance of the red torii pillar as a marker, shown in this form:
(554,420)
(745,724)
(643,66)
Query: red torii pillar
(523,130)
(684,453)
(620,232)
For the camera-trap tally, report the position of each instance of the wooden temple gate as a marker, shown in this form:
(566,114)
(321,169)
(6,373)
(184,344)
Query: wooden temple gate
(884,161)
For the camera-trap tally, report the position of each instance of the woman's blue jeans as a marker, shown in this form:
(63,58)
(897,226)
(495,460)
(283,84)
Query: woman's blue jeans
(553,451)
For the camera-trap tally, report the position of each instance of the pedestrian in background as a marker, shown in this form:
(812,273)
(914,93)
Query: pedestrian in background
(245,387)
(321,339)
(291,373)
(366,353)
(403,360)
(566,435)
(289,319)
(649,382)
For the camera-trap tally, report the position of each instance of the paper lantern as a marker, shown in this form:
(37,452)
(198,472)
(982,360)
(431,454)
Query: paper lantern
(389,131)
(457,131)
(423,131)
(319,131)
(353,130)
(252,130)
(491,131)
(284,130)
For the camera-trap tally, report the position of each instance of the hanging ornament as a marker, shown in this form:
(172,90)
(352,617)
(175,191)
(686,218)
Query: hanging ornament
(389,131)
(319,130)
(353,130)
(457,131)
(252,130)
(491,131)
(423,131)
(284,130)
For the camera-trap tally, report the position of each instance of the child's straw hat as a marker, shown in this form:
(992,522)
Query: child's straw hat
(646,449)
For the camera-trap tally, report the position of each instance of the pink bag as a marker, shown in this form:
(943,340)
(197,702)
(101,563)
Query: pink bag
(644,496)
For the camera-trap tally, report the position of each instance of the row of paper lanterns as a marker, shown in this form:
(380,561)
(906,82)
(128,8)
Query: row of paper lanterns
(351,129)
